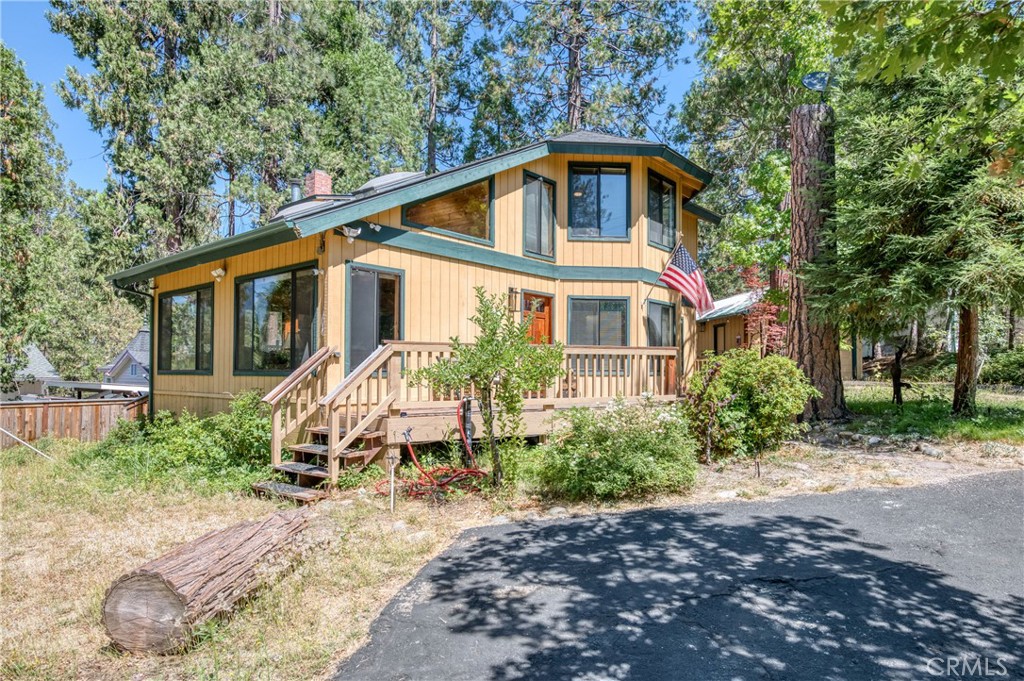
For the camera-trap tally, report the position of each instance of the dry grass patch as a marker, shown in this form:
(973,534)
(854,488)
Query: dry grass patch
(65,541)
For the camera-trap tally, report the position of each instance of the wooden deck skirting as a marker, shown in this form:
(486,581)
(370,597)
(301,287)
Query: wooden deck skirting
(85,420)
(378,396)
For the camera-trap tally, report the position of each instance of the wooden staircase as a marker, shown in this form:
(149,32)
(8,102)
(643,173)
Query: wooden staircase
(346,420)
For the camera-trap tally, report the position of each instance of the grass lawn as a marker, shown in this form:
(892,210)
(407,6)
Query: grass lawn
(927,412)
(67,536)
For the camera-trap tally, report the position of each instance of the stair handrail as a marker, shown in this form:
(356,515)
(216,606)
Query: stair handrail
(363,370)
(309,366)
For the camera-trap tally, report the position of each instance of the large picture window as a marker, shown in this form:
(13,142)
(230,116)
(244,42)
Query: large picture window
(599,202)
(465,212)
(598,321)
(661,211)
(185,343)
(661,324)
(274,323)
(538,216)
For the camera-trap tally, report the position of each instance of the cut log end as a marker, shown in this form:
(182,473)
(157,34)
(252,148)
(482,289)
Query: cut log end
(143,614)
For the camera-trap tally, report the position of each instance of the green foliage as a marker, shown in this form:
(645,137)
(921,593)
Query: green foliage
(763,396)
(227,451)
(31,175)
(623,451)
(1004,367)
(501,364)
(734,121)
(898,39)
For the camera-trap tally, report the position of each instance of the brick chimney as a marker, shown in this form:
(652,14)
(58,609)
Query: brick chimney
(317,182)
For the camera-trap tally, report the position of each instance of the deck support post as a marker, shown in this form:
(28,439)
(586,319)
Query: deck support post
(275,436)
(333,434)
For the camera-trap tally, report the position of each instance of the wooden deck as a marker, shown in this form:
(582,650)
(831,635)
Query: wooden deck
(371,409)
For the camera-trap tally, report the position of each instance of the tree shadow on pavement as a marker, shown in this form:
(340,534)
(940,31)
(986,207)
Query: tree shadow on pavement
(678,594)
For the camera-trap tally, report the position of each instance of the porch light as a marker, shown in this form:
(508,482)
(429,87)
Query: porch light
(351,233)
(513,300)
(373,226)
(218,274)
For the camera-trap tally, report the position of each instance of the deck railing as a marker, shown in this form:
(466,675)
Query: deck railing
(296,399)
(382,382)
(589,373)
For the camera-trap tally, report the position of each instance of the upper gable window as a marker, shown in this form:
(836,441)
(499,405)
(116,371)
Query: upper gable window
(599,202)
(538,216)
(466,212)
(661,210)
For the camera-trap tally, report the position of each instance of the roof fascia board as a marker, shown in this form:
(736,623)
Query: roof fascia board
(422,189)
(453,250)
(625,149)
(701,212)
(271,235)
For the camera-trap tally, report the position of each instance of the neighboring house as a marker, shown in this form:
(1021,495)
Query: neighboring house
(577,228)
(33,378)
(725,328)
(131,365)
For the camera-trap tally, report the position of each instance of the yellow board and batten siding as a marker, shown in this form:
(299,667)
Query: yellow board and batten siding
(438,295)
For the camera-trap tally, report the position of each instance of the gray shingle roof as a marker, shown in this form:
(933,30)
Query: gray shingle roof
(38,366)
(138,348)
(592,136)
(733,305)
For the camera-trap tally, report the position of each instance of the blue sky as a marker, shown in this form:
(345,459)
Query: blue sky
(46,55)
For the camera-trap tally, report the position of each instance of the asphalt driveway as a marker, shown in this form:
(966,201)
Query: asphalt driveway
(917,583)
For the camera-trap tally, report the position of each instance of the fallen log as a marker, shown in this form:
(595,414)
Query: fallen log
(156,608)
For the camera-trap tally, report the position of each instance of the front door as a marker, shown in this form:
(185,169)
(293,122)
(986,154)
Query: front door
(719,338)
(540,322)
(374,312)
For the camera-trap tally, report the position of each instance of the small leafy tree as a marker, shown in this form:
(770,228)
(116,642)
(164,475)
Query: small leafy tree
(501,365)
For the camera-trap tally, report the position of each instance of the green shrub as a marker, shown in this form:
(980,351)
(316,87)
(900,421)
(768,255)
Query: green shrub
(759,396)
(625,450)
(225,451)
(1006,367)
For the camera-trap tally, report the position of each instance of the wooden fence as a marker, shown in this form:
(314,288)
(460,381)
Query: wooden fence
(85,420)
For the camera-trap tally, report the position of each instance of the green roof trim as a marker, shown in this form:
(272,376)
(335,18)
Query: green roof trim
(702,212)
(626,149)
(464,252)
(425,188)
(253,240)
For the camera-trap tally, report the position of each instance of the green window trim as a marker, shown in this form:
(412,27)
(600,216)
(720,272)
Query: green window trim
(629,202)
(601,299)
(489,241)
(673,315)
(397,272)
(661,179)
(158,345)
(527,178)
(314,331)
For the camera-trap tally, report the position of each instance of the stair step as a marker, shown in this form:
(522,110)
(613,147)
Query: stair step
(302,469)
(373,434)
(309,448)
(282,489)
(323,430)
(348,455)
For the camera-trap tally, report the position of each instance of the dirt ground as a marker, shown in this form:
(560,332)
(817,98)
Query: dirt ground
(64,545)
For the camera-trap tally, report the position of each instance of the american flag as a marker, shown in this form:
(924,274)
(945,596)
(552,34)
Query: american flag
(682,274)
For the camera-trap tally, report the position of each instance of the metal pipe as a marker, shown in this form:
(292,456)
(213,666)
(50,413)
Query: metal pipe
(152,340)
(37,451)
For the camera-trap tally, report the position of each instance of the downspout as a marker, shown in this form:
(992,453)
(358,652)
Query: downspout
(152,339)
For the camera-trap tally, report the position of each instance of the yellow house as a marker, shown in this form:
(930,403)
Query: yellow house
(328,306)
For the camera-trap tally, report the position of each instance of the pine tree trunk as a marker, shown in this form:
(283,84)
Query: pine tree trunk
(574,73)
(912,341)
(876,350)
(1011,336)
(431,123)
(812,344)
(965,385)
